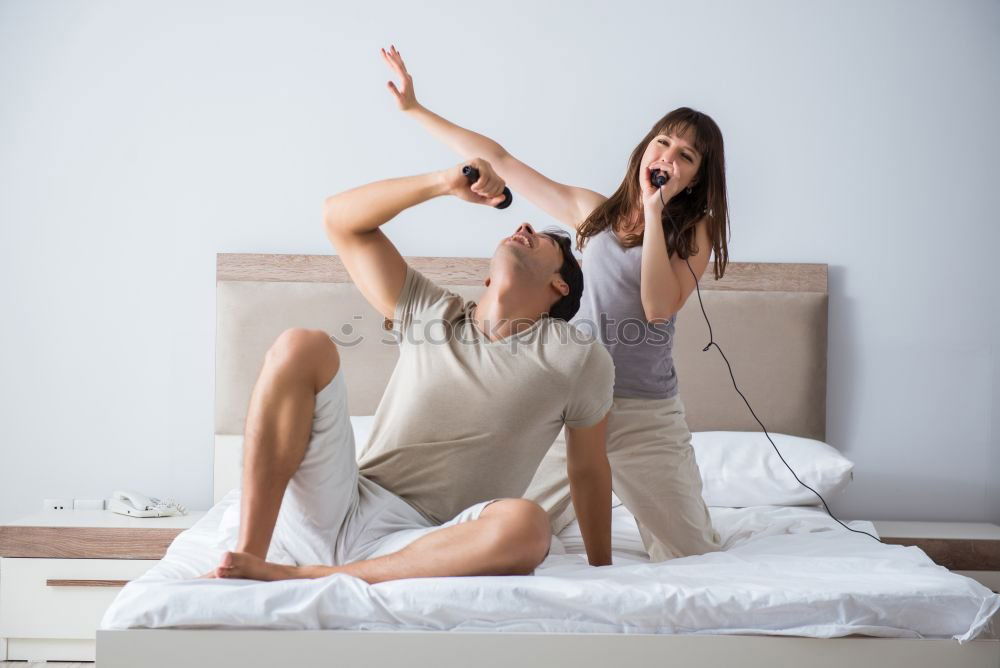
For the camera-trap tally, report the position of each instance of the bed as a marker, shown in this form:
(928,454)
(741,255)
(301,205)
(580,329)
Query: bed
(790,584)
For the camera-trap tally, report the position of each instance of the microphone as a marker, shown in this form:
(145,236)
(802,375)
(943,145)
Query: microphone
(472,175)
(658,178)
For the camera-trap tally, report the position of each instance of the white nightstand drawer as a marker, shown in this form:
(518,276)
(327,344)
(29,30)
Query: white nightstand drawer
(60,598)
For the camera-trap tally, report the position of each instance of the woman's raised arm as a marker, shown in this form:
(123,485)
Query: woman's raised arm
(569,205)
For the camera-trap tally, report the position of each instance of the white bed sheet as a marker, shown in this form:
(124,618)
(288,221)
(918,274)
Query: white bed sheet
(783,571)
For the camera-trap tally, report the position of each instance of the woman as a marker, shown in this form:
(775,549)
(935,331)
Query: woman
(643,248)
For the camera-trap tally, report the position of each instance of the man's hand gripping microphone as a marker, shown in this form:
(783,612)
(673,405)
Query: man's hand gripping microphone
(472,174)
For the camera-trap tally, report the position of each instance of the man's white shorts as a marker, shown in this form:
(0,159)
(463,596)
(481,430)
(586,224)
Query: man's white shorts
(332,515)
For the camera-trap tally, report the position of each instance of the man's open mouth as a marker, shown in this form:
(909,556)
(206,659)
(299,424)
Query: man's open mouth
(521,239)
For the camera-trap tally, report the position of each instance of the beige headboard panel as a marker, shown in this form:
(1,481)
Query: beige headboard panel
(770,320)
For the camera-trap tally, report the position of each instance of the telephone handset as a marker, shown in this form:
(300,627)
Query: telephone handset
(134,504)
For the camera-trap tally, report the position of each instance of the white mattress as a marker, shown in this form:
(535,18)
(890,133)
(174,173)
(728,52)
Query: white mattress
(783,571)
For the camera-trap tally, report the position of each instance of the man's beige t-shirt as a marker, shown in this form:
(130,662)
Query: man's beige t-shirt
(465,419)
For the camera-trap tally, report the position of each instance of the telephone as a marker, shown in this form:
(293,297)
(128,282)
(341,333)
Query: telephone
(139,505)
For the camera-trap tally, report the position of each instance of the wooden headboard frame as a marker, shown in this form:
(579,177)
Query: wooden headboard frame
(770,319)
(740,276)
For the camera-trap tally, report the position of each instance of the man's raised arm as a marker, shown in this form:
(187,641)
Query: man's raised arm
(353,217)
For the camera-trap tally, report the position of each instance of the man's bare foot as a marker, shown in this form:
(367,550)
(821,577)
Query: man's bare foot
(243,565)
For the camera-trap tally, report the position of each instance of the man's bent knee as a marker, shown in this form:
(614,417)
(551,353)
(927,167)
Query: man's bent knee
(523,533)
(309,351)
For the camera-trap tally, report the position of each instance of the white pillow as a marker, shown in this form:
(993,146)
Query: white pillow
(362,426)
(741,468)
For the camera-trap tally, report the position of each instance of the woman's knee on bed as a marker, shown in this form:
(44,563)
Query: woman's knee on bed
(309,352)
(522,533)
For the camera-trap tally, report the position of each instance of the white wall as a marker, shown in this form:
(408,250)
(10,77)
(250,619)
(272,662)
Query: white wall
(137,140)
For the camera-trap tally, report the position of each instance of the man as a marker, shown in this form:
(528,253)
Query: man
(478,395)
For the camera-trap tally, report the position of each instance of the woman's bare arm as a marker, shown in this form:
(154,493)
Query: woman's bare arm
(569,205)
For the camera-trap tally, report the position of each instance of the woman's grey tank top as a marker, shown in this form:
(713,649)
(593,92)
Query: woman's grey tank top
(611,309)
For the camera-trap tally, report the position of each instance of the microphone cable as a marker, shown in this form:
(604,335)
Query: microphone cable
(711,342)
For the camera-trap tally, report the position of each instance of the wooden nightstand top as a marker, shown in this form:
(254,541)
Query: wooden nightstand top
(106,519)
(958,546)
(961,530)
(92,534)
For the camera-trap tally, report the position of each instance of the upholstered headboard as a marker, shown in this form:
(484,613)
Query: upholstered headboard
(770,320)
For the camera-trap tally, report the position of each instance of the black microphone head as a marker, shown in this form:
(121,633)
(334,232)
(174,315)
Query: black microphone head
(472,175)
(658,178)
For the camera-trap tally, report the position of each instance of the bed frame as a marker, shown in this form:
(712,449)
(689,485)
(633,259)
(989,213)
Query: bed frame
(770,320)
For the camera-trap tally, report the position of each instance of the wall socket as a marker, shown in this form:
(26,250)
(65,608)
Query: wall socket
(57,504)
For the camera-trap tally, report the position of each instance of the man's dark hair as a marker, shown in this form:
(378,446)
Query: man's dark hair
(567,306)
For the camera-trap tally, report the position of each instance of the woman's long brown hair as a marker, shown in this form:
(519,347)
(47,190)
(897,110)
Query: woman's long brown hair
(682,213)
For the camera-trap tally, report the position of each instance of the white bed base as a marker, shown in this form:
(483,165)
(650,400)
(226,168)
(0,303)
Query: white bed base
(168,648)
(152,648)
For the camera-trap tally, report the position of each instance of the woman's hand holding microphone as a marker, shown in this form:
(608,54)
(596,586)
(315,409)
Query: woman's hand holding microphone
(655,197)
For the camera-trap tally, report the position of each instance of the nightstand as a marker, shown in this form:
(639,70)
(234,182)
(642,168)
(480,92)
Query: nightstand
(60,570)
(971,549)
